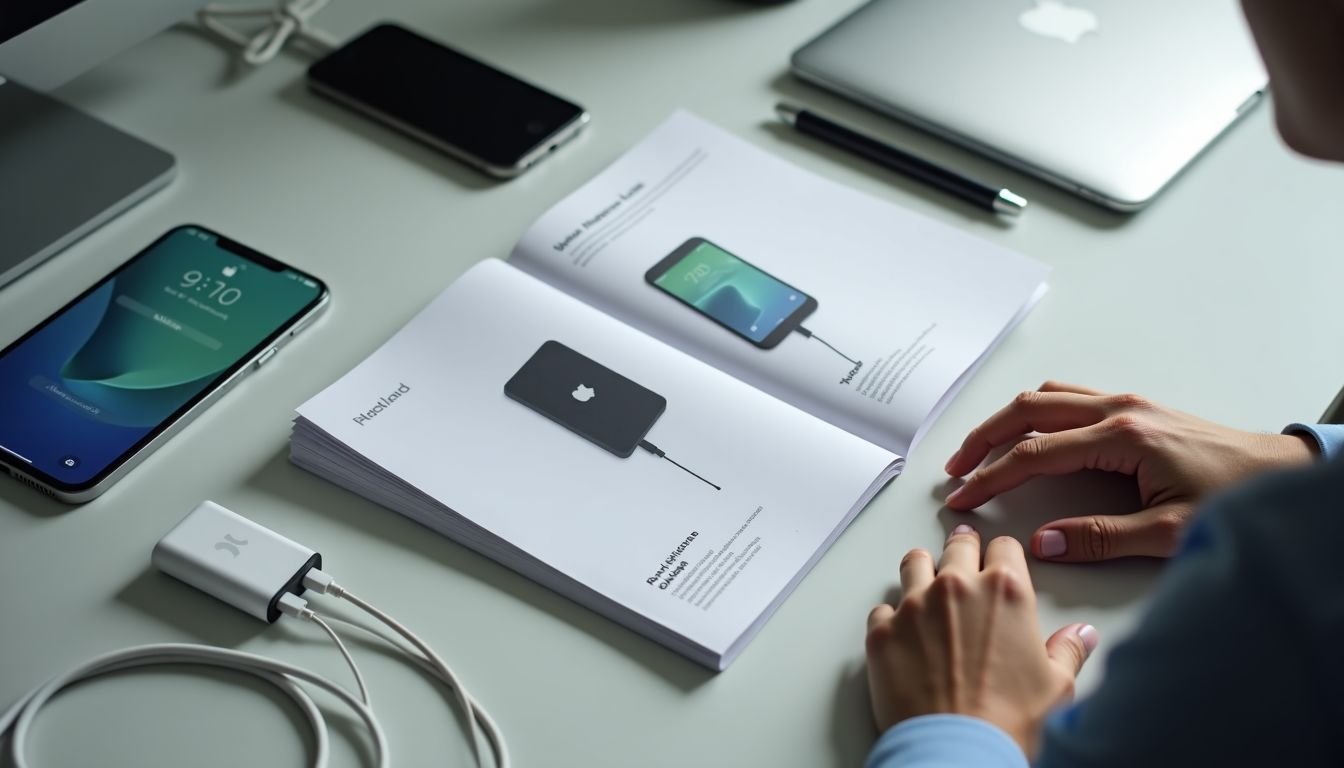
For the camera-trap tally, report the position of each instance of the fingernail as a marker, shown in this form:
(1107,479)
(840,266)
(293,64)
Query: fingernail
(954,495)
(963,528)
(1053,544)
(1090,637)
(948,466)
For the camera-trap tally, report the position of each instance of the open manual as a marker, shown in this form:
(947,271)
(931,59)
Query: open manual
(688,378)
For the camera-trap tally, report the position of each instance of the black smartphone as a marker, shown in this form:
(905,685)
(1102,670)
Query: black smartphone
(587,398)
(461,106)
(108,378)
(737,295)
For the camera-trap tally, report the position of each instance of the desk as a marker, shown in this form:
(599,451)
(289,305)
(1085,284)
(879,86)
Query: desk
(1221,299)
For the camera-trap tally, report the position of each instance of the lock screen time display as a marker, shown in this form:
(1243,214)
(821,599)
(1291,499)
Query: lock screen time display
(104,374)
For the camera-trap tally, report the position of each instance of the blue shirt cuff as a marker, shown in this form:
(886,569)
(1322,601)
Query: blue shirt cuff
(1329,437)
(945,741)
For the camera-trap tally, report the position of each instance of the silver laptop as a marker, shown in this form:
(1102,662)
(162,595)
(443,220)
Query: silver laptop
(1109,99)
(64,173)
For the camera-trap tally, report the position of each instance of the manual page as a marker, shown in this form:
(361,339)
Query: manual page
(844,305)
(698,544)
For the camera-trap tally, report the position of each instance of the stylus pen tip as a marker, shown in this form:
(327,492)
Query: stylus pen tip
(1008,203)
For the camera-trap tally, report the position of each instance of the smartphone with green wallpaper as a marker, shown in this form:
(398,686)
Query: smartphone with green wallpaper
(108,378)
(737,295)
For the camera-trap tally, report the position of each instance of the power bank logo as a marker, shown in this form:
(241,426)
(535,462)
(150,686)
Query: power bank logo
(583,394)
(231,545)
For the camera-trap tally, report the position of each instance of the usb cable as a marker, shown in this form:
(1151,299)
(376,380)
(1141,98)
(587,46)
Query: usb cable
(483,724)
(805,333)
(18,719)
(656,451)
(284,21)
(261,573)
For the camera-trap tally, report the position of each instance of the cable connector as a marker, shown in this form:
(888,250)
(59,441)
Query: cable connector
(322,583)
(291,604)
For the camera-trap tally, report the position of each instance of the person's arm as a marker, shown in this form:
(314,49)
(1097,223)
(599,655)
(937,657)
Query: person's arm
(1329,438)
(945,741)
(1233,663)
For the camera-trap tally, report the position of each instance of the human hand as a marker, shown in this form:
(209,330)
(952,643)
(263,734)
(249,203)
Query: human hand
(1176,458)
(966,641)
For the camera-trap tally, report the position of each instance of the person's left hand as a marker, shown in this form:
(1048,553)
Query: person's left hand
(965,640)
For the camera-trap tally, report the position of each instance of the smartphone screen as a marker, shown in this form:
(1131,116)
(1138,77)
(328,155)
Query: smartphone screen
(446,98)
(99,379)
(742,298)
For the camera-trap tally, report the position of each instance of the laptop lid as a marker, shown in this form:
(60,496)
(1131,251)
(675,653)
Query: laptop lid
(63,173)
(1109,99)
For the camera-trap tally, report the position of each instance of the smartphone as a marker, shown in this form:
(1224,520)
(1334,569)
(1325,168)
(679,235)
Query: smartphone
(461,106)
(737,295)
(108,378)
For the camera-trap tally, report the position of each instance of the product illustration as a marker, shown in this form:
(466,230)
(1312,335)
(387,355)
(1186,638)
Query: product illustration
(737,295)
(590,400)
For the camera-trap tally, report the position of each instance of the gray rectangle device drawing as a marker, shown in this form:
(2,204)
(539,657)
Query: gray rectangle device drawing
(587,398)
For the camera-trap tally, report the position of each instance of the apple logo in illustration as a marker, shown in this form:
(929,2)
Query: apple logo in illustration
(229,271)
(584,394)
(1052,18)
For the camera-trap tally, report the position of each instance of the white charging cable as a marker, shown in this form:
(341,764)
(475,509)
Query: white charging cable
(482,724)
(286,677)
(282,22)
(19,717)
(261,573)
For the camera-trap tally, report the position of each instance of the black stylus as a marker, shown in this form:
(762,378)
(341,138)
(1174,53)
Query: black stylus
(1001,201)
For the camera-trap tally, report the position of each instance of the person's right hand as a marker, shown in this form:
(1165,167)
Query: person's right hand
(1176,458)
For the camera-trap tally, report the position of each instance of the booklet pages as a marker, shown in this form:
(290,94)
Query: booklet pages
(688,379)
(423,426)
(711,244)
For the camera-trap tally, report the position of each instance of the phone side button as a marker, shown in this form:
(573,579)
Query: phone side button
(265,357)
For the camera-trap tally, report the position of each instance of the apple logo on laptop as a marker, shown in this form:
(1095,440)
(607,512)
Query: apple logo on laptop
(584,394)
(1052,18)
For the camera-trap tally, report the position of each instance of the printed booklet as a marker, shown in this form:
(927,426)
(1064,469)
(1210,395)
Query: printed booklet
(685,382)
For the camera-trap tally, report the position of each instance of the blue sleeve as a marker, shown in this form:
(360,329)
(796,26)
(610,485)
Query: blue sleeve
(1329,437)
(1235,662)
(945,741)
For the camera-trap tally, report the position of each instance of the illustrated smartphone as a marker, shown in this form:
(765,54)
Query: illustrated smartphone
(454,103)
(587,398)
(726,289)
(107,379)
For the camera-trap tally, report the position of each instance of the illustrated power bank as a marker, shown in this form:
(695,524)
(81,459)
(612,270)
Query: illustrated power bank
(587,398)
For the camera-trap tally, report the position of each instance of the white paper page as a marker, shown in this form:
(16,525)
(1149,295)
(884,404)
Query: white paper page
(624,527)
(914,301)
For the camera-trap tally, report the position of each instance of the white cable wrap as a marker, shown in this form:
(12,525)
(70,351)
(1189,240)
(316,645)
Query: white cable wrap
(283,22)
(18,719)
(284,676)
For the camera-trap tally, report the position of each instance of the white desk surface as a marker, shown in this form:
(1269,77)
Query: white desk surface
(1222,299)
